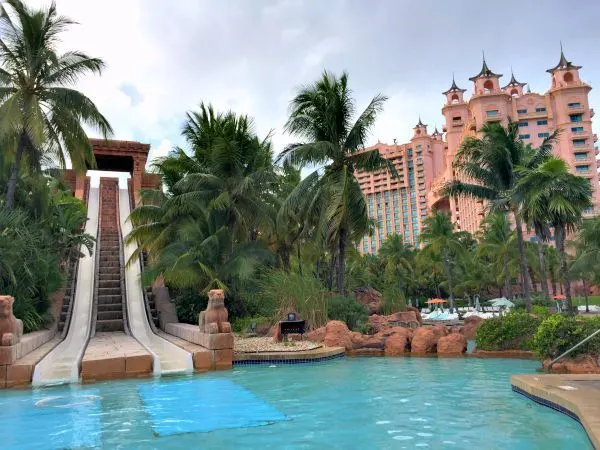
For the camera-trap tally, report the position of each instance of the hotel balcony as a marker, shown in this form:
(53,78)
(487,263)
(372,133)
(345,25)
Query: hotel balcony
(575,108)
(458,123)
(494,118)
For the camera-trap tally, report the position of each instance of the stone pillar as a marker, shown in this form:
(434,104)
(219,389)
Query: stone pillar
(215,331)
(136,178)
(80,186)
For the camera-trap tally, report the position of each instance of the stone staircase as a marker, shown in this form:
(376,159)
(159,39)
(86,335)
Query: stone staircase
(110,297)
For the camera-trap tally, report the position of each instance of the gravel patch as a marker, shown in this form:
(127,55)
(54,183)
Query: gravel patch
(266,344)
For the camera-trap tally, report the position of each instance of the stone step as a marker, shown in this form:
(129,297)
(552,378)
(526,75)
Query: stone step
(110,315)
(110,270)
(109,325)
(110,307)
(65,308)
(109,291)
(109,284)
(103,276)
(63,316)
(109,299)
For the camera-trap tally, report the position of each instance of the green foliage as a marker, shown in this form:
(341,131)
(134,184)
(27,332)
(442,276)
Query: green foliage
(188,304)
(243,324)
(393,299)
(293,292)
(348,310)
(558,334)
(513,331)
(540,311)
(37,241)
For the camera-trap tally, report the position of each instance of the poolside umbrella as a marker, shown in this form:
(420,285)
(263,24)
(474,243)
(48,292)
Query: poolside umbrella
(436,301)
(502,302)
(559,297)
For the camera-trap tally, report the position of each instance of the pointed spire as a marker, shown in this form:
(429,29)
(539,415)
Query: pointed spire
(454,87)
(485,71)
(513,81)
(420,124)
(563,63)
(528,90)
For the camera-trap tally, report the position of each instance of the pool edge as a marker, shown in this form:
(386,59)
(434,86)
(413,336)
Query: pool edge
(543,389)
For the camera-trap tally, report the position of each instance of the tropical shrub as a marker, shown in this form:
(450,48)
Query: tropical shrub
(558,333)
(392,300)
(188,304)
(294,292)
(513,331)
(348,310)
(540,311)
(242,324)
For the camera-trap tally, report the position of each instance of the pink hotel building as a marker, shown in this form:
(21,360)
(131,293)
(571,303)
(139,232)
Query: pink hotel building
(424,165)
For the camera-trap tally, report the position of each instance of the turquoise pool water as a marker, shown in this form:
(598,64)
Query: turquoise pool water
(349,403)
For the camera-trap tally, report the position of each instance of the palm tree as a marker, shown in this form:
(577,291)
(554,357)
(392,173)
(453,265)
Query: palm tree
(497,244)
(443,243)
(38,113)
(491,163)
(586,264)
(555,195)
(322,115)
(399,262)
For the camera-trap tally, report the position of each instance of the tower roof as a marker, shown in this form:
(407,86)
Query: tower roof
(453,88)
(420,124)
(513,81)
(563,63)
(485,72)
(436,132)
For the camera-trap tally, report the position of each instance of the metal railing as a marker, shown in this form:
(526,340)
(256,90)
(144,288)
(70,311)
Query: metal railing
(573,348)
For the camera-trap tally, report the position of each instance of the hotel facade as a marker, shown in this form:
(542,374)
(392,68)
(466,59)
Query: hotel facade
(424,165)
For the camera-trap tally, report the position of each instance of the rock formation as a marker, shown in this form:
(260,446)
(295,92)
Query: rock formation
(452,344)
(424,341)
(470,327)
(370,298)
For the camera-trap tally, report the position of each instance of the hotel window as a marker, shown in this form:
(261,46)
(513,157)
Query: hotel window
(524,136)
(581,156)
(582,169)
(577,130)
(543,135)
(492,113)
(521,111)
(523,124)
(578,142)
(540,109)
(576,117)
(574,105)
(542,122)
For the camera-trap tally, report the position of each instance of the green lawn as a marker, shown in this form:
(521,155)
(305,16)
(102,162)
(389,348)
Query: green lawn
(594,300)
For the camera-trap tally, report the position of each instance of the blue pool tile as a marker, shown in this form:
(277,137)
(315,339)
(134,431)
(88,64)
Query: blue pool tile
(203,405)
(52,420)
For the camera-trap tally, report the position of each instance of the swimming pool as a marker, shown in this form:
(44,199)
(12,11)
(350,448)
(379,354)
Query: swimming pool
(349,403)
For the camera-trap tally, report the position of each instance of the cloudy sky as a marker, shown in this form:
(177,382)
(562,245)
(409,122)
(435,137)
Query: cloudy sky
(164,57)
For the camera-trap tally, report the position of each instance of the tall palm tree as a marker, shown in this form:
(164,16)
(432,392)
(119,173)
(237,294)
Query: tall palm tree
(553,193)
(323,116)
(443,243)
(498,245)
(39,113)
(490,164)
(399,262)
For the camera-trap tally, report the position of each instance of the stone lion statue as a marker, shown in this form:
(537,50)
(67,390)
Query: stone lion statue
(11,328)
(215,318)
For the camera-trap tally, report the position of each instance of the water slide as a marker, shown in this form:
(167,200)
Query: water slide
(61,365)
(168,358)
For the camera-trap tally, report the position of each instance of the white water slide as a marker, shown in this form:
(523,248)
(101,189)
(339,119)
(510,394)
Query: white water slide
(168,358)
(61,365)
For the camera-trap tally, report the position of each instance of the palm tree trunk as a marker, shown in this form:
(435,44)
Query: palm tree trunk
(299,258)
(522,261)
(11,189)
(331,271)
(341,262)
(448,277)
(507,283)
(585,294)
(543,276)
(560,246)
(284,254)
